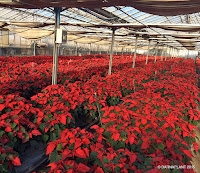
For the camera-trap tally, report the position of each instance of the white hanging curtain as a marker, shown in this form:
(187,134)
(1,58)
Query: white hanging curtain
(32,34)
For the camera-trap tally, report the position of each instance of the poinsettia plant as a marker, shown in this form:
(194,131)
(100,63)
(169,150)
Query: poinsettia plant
(16,127)
(55,103)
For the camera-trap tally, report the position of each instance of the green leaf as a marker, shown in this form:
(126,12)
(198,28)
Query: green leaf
(69,120)
(116,160)
(56,126)
(133,146)
(1,133)
(10,135)
(176,171)
(117,169)
(59,147)
(161,146)
(7,120)
(141,157)
(3,156)
(11,144)
(53,156)
(50,115)
(42,126)
(71,147)
(93,155)
(105,160)
(45,138)
(13,125)
(123,133)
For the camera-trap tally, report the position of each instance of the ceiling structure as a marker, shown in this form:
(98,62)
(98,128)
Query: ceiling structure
(91,21)
(159,7)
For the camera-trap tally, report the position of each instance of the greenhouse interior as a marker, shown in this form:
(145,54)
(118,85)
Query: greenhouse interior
(99,86)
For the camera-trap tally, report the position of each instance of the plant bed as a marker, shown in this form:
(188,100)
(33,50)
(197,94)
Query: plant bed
(144,117)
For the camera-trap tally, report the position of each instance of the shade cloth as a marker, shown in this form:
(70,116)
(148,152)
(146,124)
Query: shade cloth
(174,27)
(32,34)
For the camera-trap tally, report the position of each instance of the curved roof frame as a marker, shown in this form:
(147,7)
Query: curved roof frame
(105,15)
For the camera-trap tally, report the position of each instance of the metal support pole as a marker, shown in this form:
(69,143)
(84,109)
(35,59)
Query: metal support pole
(175,53)
(135,51)
(55,50)
(166,53)
(178,52)
(122,53)
(171,52)
(147,53)
(34,44)
(162,54)
(89,48)
(76,49)
(111,52)
(156,53)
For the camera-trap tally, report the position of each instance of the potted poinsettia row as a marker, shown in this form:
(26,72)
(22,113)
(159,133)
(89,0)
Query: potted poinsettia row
(146,115)
(152,126)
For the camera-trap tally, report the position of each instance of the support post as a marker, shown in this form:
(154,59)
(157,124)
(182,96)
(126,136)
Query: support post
(34,44)
(166,53)
(175,53)
(135,51)
(99,47)
(111,52)
(76,49)
(162,54)
(89,48)
(156,53)
(171,52)
(122,53)
(147,53)
(56,46)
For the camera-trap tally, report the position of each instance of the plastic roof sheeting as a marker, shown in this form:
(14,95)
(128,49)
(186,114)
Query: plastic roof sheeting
(96,25)
(159,7)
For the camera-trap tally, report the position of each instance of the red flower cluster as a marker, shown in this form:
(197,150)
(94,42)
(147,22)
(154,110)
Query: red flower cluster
(147,113)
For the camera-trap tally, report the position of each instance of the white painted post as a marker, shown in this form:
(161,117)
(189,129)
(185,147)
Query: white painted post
(156,53)
(162,54)
(89,48)
(147,53)
(34,48)
(55,51)
(111,52)
(135,51)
